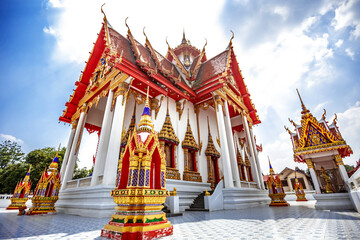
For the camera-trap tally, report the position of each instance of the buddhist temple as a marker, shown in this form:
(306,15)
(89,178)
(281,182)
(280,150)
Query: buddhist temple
(47,190)
(276,190)
(21,193)
(186,89)
(320,145)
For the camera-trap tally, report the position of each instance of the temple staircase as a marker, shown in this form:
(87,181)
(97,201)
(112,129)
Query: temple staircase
(199,204)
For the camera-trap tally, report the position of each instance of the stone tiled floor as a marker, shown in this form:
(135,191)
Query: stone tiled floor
(299,221)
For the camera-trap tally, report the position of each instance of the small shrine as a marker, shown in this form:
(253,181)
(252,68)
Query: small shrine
(47,190)
(321,146)
(21,193)
(169,141)
(141,190)
(276,190)
(299,190)
(212,156)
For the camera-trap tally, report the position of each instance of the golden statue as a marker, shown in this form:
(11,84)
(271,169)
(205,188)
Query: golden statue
(329,187)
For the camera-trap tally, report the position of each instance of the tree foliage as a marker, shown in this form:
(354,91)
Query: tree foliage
(40,159)
(10,153)
(11,175)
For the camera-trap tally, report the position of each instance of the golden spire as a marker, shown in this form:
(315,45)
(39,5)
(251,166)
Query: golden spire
(210,149)
(55,163)
(304,110)
(145,120)
(271,169)
(189,140)
(167,132)
(27,177)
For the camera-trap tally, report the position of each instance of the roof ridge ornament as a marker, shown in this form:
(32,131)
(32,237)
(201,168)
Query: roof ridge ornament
(271,169)
(304,109)
(324,114)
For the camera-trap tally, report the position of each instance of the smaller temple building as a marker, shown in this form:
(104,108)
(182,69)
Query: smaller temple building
(288,176)
(321,146)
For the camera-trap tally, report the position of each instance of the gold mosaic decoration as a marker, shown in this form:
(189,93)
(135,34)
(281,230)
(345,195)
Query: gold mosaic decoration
(210,149)
(189,140)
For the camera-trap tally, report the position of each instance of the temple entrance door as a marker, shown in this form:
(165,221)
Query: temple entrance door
(22,193)
(168,152)
(191,161)
(49,188)
(215,169)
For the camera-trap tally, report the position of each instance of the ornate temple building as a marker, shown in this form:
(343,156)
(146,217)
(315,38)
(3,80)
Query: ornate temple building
(320,145)
(200,107)
(21,193)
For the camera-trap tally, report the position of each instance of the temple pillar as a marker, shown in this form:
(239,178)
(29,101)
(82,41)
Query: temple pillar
(313,176)
(252,152)
(68,150)
(112,156)
(256,157)
(103,141)
(228,179)
(232,152)
(343,172)
(70,166)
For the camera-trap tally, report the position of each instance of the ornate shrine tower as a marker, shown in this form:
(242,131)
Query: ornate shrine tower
(320,145)
(276,190)
(47,190)
(21,193)
(141,190)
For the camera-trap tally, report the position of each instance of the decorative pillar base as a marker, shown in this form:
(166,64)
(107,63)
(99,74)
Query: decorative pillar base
(17,203)
(192,176)
(301,197)
(172,173)
(278,200)
(138,215)
(42,205)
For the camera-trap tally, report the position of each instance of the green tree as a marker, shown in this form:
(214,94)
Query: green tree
(348,167)
(40,159)
(10,153)
(11,175)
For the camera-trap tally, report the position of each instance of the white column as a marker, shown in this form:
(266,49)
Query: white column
(68,149)
(252,159)
(70,166)
(343,173)
(257,158)
(103,141)
(113,152)
(230,139)
(228,180)
(313,176)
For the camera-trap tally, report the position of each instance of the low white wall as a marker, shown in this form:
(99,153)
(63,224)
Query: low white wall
(354,182)
(5,201)
(291,196)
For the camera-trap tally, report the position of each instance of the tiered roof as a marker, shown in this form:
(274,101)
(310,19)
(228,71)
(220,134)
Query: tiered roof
(314,136)
(167,132)
(164,75)
(210,149)
(189,140)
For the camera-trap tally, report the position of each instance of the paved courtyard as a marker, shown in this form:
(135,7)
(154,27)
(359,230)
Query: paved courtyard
(299,221)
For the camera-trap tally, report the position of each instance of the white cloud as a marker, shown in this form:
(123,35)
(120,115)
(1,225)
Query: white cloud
(350,53)
(281,65)
(80,21)
(348,15)
(282,11)
(349,126)
(55,3)
(11,138)
(49,30)
(339,43)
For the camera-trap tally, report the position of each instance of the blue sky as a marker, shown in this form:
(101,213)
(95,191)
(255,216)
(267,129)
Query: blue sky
(280,46)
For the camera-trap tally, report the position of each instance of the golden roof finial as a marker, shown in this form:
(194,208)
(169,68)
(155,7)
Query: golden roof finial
(184,41)
(167,106)
(324,114)
(292,122)
(27,177)
(208,124)
(287,129)
(335,119)
(145,33)
(167,43)
(103,12)
(127,25)
(304,110)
